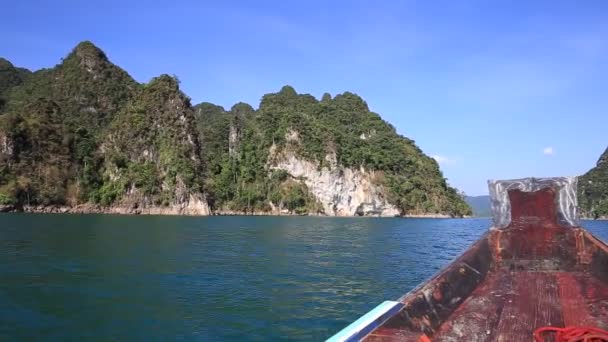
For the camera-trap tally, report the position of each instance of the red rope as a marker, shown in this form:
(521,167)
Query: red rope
(572,334)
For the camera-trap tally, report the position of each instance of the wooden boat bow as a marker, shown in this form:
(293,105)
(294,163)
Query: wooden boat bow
(535,267)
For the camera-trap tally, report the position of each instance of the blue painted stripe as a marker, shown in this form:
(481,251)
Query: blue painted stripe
(367,323)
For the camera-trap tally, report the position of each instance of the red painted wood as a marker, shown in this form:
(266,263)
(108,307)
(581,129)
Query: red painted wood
(476,319)
(584,300)
(509,306)
(533,207)
(392,335)
(533,303)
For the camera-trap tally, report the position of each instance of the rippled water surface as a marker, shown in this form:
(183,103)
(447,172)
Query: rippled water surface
(102,277)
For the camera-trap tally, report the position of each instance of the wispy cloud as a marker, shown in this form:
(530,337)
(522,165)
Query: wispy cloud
(443,160)
(548,151)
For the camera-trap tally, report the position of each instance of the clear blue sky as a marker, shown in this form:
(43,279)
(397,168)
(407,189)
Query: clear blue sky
(493,89)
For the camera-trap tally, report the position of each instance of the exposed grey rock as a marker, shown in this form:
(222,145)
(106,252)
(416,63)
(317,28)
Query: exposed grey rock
(341,191)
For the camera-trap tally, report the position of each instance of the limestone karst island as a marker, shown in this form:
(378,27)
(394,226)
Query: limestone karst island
(84,136)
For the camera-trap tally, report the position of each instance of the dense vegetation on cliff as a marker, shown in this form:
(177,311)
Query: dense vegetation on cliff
(10,76)
(86,132)
(51,126)
(593,189)
(341,129)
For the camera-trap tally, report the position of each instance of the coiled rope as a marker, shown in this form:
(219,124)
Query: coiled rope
(572,334)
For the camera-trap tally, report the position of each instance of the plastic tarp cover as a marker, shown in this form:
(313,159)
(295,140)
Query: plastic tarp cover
(566,201)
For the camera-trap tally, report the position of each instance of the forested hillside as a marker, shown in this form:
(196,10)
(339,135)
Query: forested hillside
(84,133)
(593,189)
(337,132)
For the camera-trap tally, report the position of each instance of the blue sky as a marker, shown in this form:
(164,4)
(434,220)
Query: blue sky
(493,89)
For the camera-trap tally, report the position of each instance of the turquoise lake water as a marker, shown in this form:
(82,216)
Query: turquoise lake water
(123,278)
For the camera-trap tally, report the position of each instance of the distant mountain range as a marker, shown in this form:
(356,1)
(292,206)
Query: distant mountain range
(480,205)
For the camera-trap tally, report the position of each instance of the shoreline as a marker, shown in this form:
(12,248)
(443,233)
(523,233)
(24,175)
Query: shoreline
(171,211)
(176,211)
(602,218)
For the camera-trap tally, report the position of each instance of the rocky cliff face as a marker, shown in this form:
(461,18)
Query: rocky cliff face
(152,154)
(193,207)
(341,191)
(6,145)
(333,156)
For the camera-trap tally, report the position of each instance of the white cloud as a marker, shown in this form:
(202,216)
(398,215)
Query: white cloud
(548,151)
(443,160)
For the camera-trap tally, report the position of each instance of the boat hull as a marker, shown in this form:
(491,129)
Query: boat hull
(507,300)
(533,273)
